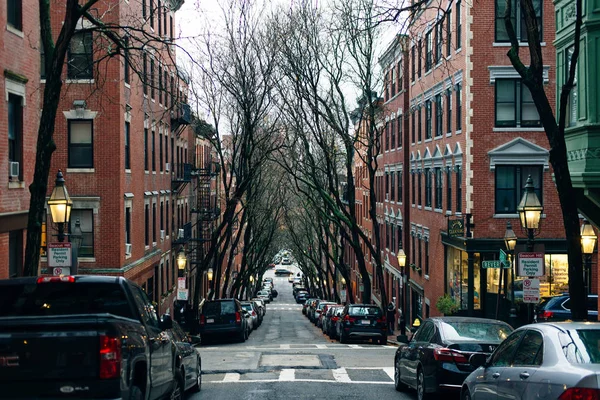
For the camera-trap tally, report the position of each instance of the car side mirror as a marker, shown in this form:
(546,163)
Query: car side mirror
(478,360)
(402,338)
(194,340)
(166,322)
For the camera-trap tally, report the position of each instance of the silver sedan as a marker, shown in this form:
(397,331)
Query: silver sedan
(558,360)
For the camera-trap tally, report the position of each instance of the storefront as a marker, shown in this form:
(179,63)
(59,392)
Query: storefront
(486,292)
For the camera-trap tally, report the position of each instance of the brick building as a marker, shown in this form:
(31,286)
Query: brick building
(19,121)
(459,145)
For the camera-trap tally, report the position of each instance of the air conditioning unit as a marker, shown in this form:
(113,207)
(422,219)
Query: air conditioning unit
(167,167)
(162,234)
(13,169)
(128,249)
(180,234)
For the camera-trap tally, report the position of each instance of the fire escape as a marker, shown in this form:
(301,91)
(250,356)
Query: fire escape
(181,174)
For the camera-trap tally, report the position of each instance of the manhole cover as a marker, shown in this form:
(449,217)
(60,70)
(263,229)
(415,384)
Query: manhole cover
(285,360)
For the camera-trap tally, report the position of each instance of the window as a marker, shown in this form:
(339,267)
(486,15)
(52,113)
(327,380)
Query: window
(414,249)
(399,199)
(158,11)
(145,75)
(419,123)
(86,223)
(428,119)
(147,225)
(80,58)
(439,30)
(399,130)
(517,15)
(503,355)
(145,149)
(387,186)
(126,64)
(81,149)
(458,107)
(413,175)
(160,153)
(393,134)
(167,217)
(448,32)
(162,215)
(426,256)
(171,30)
(160,84)
(530,351)
(419,194)
(510,183)
(153,155)
(387,235)
(572,104)
(15,131)
(127,147)
(449,188)
(439,114)
(393,81)
(154,222)
(458,189)
(144,12)
(128,225)
(458,26)
(428,182)
(399,236)
(152,14)
(420,50)
(414,125)
(428,51)
(413,63)
(165,33)
(14,14)
(438,188)
(152,92)
(448,111)
(392,186)
(514,105)
(420,251)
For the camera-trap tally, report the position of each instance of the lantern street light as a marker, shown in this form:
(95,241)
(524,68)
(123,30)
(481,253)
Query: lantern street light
(60,205)
(401,258)
(76,238)
(210,274)
(343,281)
(510,240)
(588,242)
(530,212)
(181,260)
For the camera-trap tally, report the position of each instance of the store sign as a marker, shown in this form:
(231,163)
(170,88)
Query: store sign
(531,290)
(456,227)
(531,264)
(59,254)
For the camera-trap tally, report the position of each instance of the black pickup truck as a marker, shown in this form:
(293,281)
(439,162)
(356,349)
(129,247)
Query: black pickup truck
(82,337)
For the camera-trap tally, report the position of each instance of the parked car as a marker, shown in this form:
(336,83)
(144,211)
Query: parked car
(306,305)
(437,357)
(321,318)
(252,309)
(262,306)
(264,296)
(98,335)
(559,360)
(301,296)
(558,308)
(286,261)
(223,317)
(265,292)
(330,319)
(362,321)
(282,271)
(291,278)
(319,310)
(189,362)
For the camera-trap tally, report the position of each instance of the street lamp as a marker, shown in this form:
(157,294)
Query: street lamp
(510,240)
(251,279)
(588,242)
(343,281)
(210,274)
(530,212)
(181,260)
(60,205)
(401,258)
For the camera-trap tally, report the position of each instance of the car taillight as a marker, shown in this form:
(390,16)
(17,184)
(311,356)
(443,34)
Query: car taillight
(110,357)
(444,354)
(49,279)
(381,319)
(238,317)
(547,314)
(348,318)
(253,313)
(334,319)
(202,320)
(580,394)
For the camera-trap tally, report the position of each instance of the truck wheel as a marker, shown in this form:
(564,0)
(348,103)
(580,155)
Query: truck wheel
(135,393)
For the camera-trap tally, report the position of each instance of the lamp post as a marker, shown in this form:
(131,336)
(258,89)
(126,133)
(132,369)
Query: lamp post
(588,242)
(181,262)
(510,241)
(60,205)
(530,212)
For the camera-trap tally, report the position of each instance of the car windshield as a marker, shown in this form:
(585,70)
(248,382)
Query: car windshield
(247,307)
(356,311)
(263,293)
(480,331)
(218,308)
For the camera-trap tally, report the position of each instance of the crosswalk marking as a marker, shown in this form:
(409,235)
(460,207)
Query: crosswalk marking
(297,347)
(389,371)
(231,377)
(287,375)
(340,375)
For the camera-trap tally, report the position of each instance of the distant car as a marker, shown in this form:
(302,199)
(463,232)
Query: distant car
(362,321)
(291,279)
(301,296)
(256,315)
(262,306)
(222,317)
(282,271)
(558,308)
(437,357)
(332,318)
(286,261)
(265,295)
(559,360)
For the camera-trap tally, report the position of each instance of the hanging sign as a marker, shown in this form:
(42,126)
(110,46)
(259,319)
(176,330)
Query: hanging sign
(531,290)
(59,254)
(531,264)
(456,228)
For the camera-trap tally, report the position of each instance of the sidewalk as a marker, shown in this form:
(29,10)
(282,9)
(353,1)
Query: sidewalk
(392,338)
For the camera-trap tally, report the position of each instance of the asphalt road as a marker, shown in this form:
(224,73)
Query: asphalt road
(288,357)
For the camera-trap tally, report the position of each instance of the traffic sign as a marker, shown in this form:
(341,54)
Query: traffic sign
(503,258)
(182,294)
(531,290)
(59,254)
(181,283)
(61,271)
(531,264)
(491,264)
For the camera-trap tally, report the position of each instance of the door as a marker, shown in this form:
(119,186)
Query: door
(414,353)
(486,383)
(514,380)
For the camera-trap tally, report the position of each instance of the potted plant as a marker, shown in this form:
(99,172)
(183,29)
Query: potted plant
(446,305)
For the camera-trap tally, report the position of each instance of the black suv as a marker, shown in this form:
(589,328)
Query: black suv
(365,321)
(557,308)
(223,317)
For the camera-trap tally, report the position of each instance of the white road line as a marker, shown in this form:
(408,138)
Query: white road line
(340,375)
(231,377)
(284,347)
(321,346)
(287,375)
(305,380)
(355,346)
(389,371)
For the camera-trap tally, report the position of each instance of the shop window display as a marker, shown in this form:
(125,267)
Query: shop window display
(458,279)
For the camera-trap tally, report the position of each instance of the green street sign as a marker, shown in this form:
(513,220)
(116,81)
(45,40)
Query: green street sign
(503,258)
(491,264)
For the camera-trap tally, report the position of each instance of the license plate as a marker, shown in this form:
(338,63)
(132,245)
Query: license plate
(365,322)
(210,321)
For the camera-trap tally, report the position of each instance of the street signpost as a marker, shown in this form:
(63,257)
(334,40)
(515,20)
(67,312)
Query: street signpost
(531,291)
(531,264)
(491,264)
(59,255)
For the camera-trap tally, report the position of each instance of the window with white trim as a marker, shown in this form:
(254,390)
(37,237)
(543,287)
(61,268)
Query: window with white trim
(514,105)
(81,144)
(510,182)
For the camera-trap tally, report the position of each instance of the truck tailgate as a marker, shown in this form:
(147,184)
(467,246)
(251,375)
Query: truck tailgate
(50,348)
